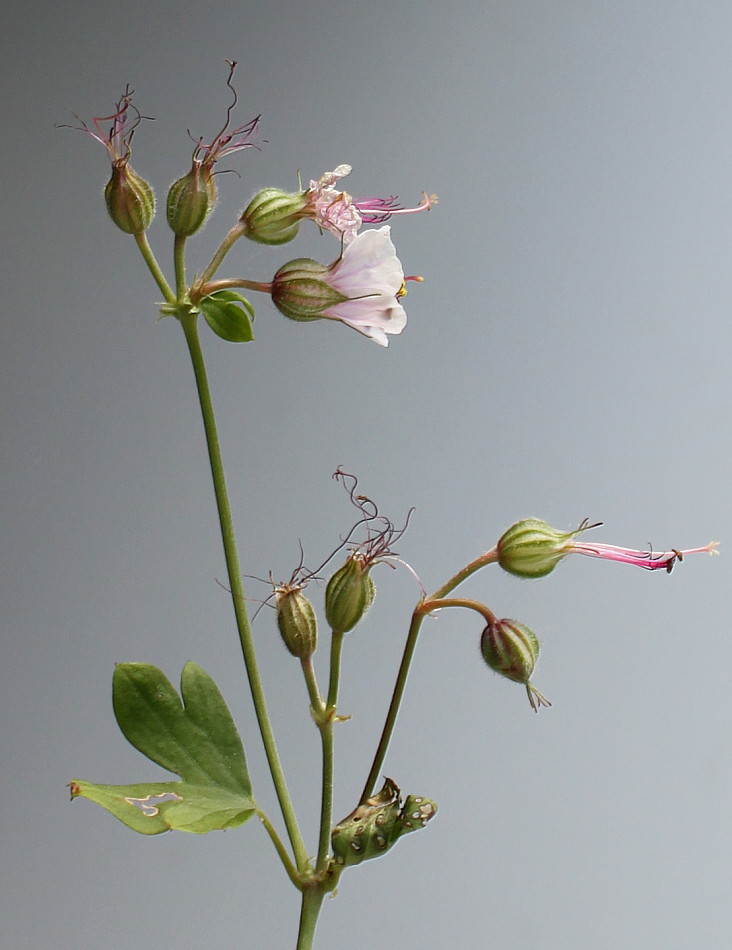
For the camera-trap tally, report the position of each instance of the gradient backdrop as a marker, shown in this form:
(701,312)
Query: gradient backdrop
(566,357)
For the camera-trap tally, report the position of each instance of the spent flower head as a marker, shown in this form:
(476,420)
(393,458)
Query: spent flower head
(192,197)
(350,591)
(117,139)
(129,198)
(336,211)
(273,216)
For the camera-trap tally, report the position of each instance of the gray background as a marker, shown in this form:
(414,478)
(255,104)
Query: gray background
(567,356)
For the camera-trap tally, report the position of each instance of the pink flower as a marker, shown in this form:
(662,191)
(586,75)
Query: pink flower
(371,279)
(532,548)
(337,212)
(361,289)
(649,559)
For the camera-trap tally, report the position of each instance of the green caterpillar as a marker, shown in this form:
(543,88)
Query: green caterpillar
(374,827)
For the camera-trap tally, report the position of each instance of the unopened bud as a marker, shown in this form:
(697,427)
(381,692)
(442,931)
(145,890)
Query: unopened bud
(532,548)
(273,216)
(300,292)
(349,594)
(190,200)
(511,649)
(296,621)
(130,200)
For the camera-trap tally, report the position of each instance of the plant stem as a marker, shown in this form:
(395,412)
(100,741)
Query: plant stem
(312,898)
(154,267)
(488,557)
(326,740)
(420,611)
(396,698)
(336,644)
(223,249)
(280,848)
(316,703)
(179,245)
(237,593)
(211,286)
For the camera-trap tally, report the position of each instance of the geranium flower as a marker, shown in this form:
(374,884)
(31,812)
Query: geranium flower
(361,289)
(532,548)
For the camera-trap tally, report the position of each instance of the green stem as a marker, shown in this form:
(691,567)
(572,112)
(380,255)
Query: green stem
(316,702)
(336,643)
(223,249)
(312,899)
(180,266)
(420,611)
(154,267)
(237,592)
(326,794)
(280,848)
(211,286)
(396,698)
(428,606)
(488,557)
(326,739)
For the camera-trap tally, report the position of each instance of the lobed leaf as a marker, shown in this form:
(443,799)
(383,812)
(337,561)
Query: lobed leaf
(196,738)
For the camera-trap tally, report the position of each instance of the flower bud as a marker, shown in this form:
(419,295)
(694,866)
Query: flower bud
(349,594)
(532,548)
(190,200)
(374,827)
(300,292)
(511,649)
(273,216)
(296,621)
(130,200)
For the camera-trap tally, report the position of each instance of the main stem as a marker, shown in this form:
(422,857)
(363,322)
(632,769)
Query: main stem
(312,898)
(237,592)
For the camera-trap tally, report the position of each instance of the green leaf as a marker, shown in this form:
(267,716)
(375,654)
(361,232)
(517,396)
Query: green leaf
(196,739)
(229,315)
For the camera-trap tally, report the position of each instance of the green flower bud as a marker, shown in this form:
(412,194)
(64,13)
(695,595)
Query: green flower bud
(130,200)
(300,292)
(349,594)
(191,200)
(296,621)
(531,548)
(511,649)
(371,829)
(273,216)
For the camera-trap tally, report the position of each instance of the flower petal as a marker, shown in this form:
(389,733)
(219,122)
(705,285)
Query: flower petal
(370,275)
